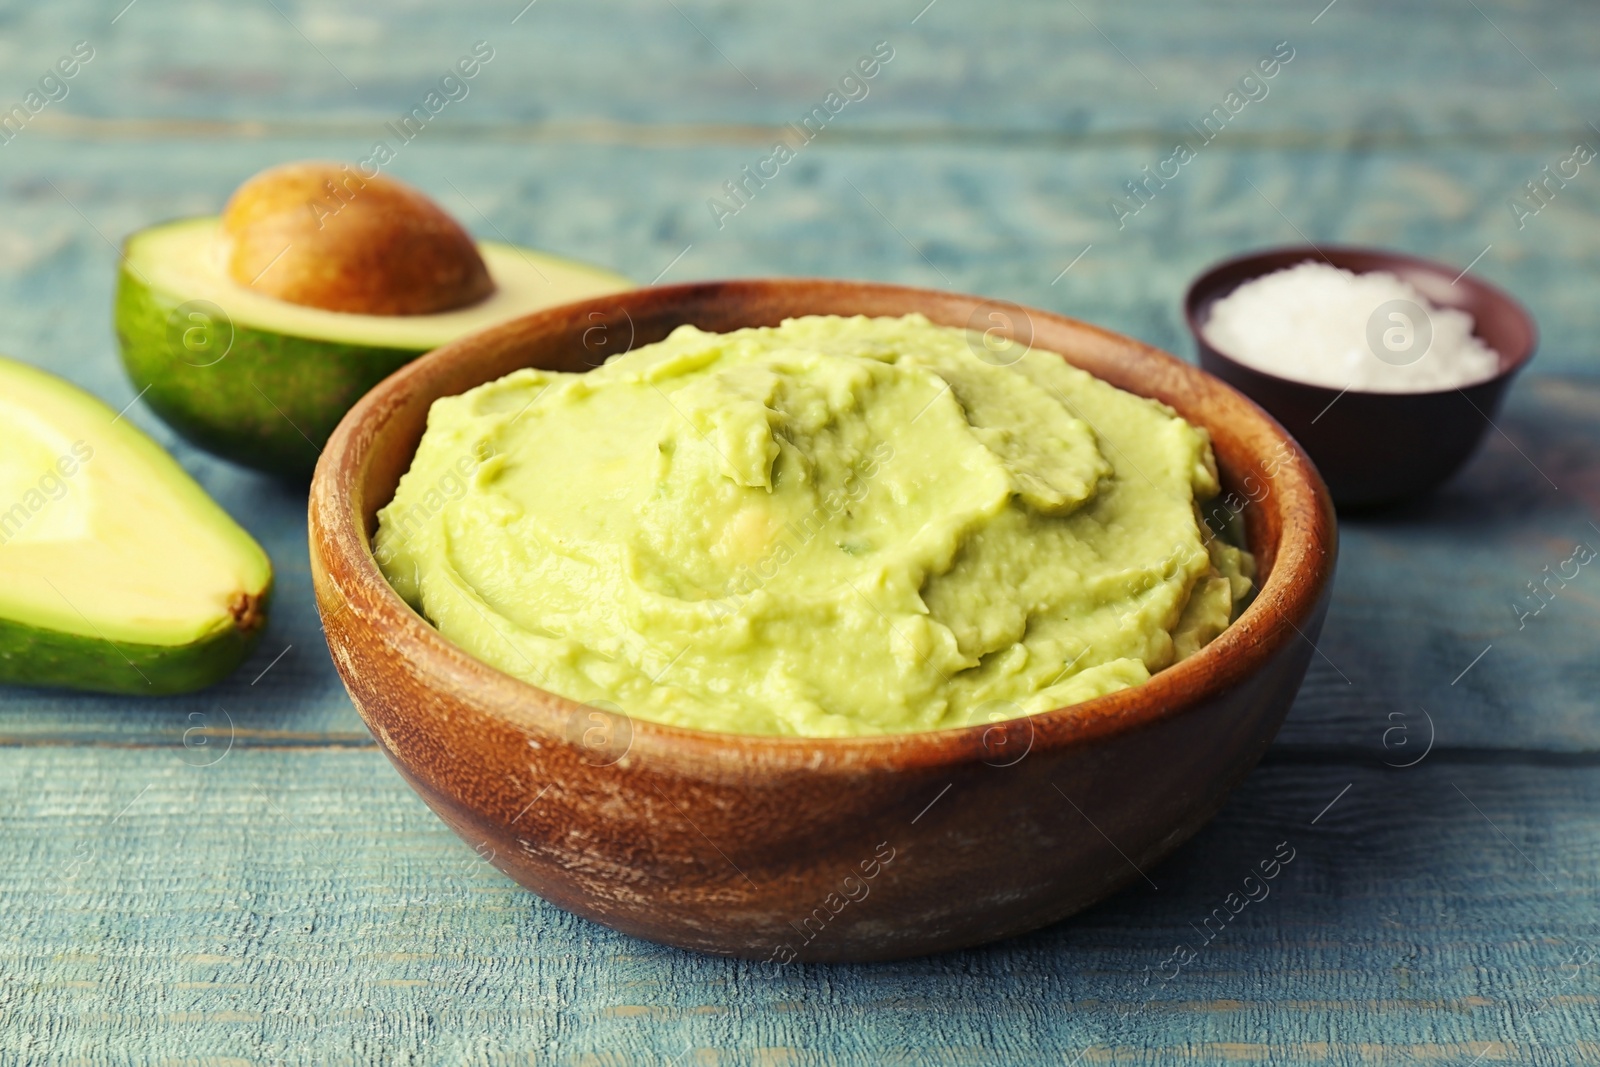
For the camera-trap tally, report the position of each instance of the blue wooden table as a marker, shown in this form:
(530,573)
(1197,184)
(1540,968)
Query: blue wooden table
(237,876)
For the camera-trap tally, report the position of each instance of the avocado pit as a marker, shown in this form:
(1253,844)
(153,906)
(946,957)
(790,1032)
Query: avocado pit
(323,236)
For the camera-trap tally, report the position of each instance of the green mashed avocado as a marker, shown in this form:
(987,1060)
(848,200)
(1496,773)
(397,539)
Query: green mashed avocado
(831,527)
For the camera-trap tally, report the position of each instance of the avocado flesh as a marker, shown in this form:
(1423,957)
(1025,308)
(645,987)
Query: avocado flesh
(263,382)
(118,573)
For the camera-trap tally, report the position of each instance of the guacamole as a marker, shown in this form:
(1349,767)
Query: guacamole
(831,527)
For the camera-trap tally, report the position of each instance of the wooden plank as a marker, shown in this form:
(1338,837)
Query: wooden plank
(1419,594)
(1434,633)
(306,905)
(1435,67)
(977,218)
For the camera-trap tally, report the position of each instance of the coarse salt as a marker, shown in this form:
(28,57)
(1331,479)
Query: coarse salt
(1323,325)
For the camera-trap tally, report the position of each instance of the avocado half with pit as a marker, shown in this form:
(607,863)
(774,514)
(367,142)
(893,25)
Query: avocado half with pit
(253,333)
(117,572)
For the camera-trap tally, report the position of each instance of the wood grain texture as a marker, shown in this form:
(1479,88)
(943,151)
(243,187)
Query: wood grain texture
(296,903)
(306,907)
(1501,520)
(1426,68)
(980,218)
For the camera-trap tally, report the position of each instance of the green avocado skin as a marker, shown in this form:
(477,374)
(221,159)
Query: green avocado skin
(30,655)
(261,399)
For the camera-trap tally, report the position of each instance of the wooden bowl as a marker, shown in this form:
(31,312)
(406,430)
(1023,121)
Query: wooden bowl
(1376,448)
(791,848)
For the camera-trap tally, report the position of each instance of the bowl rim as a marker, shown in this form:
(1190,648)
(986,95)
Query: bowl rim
(1293,592)
(1203,290)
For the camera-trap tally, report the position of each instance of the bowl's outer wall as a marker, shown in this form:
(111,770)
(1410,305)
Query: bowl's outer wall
(787,848)
(1373,448)
(764,864)
(1376,448)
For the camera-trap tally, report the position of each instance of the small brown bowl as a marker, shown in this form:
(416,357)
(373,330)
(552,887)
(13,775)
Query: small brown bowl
(784,848)
(1376,448)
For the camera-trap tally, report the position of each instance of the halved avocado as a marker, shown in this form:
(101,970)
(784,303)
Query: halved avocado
(254,332)
(118,573)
